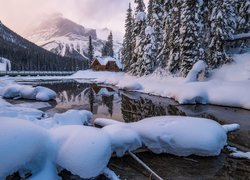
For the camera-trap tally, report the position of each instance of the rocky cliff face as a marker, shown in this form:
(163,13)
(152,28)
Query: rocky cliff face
(66,38)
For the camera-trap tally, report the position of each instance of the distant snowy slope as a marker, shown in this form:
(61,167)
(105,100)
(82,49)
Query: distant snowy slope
(67,38)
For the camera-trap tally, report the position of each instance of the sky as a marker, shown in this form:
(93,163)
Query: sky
(18,15)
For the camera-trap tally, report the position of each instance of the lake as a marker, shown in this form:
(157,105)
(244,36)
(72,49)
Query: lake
(109,102)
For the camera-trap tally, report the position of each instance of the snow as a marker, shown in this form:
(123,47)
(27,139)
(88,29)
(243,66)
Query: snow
(84,151)
(181,136)
(13,90)
(140,16)
(5,64)
(21,112)
(22,143)
(238,154)
(227,86)
(193,74)
(149,30)
(73,117)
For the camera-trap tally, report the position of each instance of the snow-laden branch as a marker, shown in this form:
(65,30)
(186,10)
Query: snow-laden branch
(237,37)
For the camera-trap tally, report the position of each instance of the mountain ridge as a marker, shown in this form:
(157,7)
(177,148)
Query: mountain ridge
(67,38)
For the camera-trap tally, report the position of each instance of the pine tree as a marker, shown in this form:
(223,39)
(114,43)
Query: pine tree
(163,55)
(128,47)
(174,61)
(90,51)
(190,35)
(243,20)
(156,21)
(221,28)
(107,49)
(139,36)
(243,24)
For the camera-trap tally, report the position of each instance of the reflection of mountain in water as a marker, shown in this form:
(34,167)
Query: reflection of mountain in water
(97,99)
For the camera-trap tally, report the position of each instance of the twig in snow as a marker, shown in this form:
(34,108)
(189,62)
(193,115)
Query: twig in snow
(144,165)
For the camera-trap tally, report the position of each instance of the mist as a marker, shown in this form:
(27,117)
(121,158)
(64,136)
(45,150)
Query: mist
(19,15)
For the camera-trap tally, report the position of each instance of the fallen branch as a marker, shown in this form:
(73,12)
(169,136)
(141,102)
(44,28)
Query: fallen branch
(144,165)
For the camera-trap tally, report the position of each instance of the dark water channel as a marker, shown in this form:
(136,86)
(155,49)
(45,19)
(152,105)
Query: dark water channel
(108,102)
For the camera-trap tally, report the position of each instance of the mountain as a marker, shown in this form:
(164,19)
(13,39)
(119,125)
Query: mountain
(67,38)
(25,55)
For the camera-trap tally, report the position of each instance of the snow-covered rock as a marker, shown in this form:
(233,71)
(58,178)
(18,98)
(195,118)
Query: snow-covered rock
(84,151)
(23,144)
(73,117)
(44,94)
(130,86)
(39,93)
(198,68)
(182,136)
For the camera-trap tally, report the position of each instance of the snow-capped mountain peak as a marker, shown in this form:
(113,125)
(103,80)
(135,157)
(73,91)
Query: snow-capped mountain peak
(67,38)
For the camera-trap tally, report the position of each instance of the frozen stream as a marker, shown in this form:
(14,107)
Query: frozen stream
(108,102)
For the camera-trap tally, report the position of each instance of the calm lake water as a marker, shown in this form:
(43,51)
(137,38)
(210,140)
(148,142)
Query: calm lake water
(108,102)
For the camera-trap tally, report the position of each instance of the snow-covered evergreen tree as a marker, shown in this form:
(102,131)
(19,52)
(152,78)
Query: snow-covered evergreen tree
(149,56)
(174,61)
(90,51)
(156,21)
(243,19)
(243,25)
(190,34)
(221,28)
(163,55)
(108,47)
(139,36)
(128,46)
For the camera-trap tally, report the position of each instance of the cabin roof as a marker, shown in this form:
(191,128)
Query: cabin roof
(104,60)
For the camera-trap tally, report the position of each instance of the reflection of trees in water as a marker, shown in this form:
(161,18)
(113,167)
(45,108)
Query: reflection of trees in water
(134,110)
(108,101)
(143,107)
(91,99)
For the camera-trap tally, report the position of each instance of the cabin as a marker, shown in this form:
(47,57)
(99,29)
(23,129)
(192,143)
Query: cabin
(106,64)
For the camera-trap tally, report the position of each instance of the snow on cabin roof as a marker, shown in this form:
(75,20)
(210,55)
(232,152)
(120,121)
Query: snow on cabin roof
(104,60)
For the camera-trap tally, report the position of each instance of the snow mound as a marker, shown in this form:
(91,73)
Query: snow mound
(22,144)
(84,151)
(123,138)
(71,117)
(44,94)
(198,67)
(39,93)
(130,86)
(21,113)
(181,136)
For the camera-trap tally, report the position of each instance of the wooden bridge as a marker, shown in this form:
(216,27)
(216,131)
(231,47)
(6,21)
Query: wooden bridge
(36,73)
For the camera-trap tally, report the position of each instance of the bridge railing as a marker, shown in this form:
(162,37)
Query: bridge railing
(36,73)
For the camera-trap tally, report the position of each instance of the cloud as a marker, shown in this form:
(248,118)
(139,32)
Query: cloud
(20,14)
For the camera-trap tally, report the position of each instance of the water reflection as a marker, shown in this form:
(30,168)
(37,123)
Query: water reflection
(108,102)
